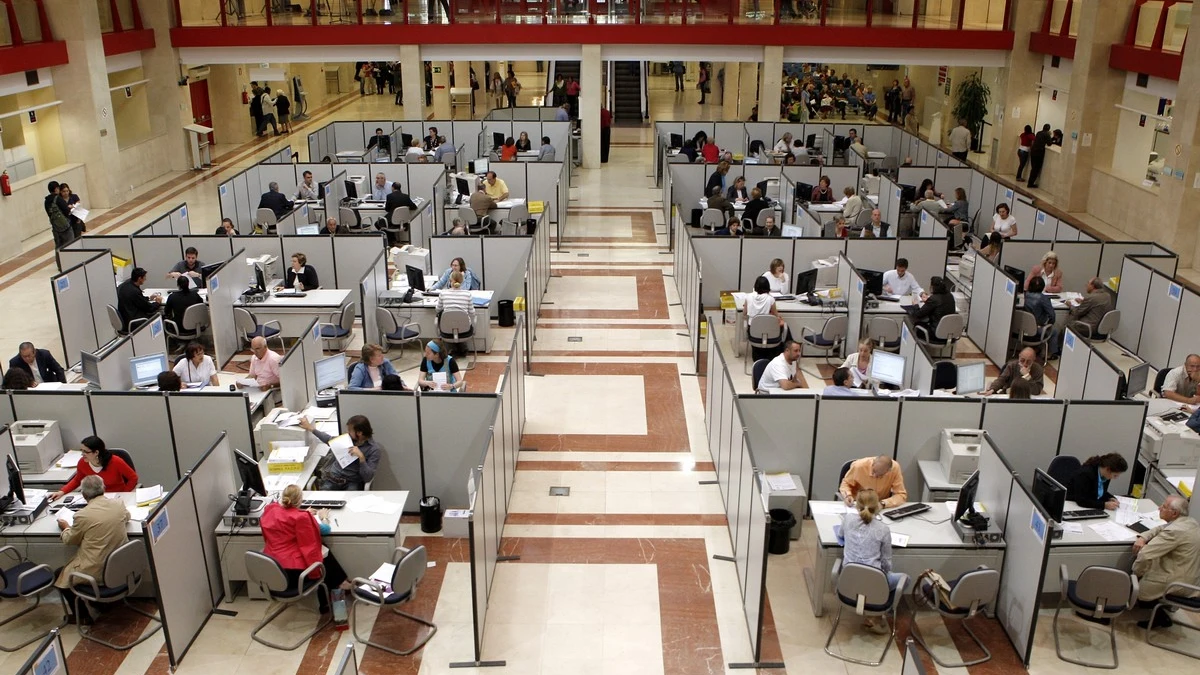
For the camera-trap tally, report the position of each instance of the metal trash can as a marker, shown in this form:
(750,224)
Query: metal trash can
(778,541)
(431,515)
(508,317)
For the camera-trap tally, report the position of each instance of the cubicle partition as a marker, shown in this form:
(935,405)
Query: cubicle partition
(993,300)
(83,323)
(1084,372)
(689,284)
(224,287)
(1160,318)
(174,221)
(294,389)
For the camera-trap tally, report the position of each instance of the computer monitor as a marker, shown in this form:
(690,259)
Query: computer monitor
(887,368)
(330,371)
(16,487)
(971,378)
(351,190)
(311,228)
(1017,274)
(1050,494)
(676,141)
(791,231)
(481,166)
(762,187)
(463,186)
(839,143)
(405,141)
(207,271)
(5,492)
(872,282)
(966,496)
(804,192)
(90,367)
(144,370)
(806,281)
(497,139)
(416,277)
(810,141)
(251,481)
(260,279)
(1139,377)
(908,193)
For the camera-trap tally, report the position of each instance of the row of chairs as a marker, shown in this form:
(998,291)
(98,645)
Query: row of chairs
(514,224)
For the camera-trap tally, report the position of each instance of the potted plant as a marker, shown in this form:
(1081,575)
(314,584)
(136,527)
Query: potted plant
(970,103)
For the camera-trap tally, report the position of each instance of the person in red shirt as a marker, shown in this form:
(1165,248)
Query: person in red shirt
(98,460)
(1023,151)
(605,133)
(293,538)
(711,152)
(508,151)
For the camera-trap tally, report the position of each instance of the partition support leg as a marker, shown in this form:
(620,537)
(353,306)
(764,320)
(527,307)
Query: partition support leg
(477,664)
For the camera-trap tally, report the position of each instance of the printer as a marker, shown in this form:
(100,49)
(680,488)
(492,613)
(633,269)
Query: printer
(960,453)
(269,429)
(38,444)
(1170,443)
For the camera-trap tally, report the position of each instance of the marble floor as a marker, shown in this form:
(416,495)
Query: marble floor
(616,578)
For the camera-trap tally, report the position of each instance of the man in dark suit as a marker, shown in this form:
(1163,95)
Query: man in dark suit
(756,204)
(381,143)
(397,199)
(39,363)
(274,200)
(131,303)
(1037,154)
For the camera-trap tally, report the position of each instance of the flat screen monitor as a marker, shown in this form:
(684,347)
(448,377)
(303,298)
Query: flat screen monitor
(497,139)
(351,190)
(405,142)
(966,496)
(249,474)
(887,367)
(1050,494)
(762,187)
(5,490)
(207,271)
(481,166)
(676,141)
(908,193)
(970,378)
(806,281)
(804,192)
(144,370)
(791,231)
(330,371)
(1017,274)
(16,487)
(463,186)
(311,228)
(810,141)
(90,367)
(416,277)
(872,282)
(1139,377)
(839,143)
(260,279)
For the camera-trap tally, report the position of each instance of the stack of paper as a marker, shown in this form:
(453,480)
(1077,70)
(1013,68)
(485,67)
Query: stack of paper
(1111,531)
(67,516)
(70,460)
(827,508)
(383,576)
(780,482)
(287,456)
(148,495)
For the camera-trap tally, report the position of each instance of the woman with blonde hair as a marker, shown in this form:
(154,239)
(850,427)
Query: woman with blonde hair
(777,277)
(859,364)
(1049,272)
(868,541)
(292,537)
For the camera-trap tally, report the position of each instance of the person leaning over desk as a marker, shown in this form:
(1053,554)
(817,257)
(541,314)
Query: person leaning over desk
(1180,384)
(495,187)
(1166,554)
(300,273)
(292,537)
(371,369)
(168,380)
(881,474)
(437,360)
(114,473)
(840,386)
(332,228)
(39,364)
(868,541)
(264,364)
(1024,367)
(97,530)
(196,367)
(132,304)
(470,281)
(1089,486)
(365,455)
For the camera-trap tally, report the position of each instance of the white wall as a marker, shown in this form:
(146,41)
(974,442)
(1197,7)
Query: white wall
(1052,109)
(1134,140)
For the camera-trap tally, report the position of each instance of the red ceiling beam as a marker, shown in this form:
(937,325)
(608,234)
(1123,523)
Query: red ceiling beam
(127,41)
(32,56)
(1141,60)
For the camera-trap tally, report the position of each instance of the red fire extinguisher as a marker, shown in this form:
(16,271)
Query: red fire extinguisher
(245,97)
(5,185)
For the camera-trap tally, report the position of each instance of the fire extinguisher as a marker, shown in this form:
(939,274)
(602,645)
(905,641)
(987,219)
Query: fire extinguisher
(245,97)
(5,185)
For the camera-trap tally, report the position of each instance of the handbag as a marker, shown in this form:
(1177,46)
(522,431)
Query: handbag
(935,591)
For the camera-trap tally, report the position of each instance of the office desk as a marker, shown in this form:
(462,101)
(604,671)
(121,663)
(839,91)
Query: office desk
(935,487)
(930,546)
(796,315)
(1077,551)
(353,156)
(294,314)
(501,212)
(359,540)
(826,212)
(423,310)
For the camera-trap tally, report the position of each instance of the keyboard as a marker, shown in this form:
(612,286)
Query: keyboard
(889,298)
(1084,514)
(906,511)
(785,298)
(431,293)
(290,294)
(323,504)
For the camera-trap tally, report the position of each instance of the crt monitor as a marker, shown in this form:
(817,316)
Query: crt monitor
(416,277)
(463,186)
(806,281)
(966,496)
(1050,494)
(351,190)
(887,367)
(1017,274)
(676,141)
(16,488)
(970,378)
(872,282)
(481,166)
(1139,377)
(90,367)
(330,371)
(497,139)
(144,370)
(250,478)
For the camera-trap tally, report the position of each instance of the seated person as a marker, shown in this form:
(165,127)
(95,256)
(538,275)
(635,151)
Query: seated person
(1180,384)
(456,296)
(855,204)
(1024,367)
(1020,390)
(717,200)
(1093,306)
(732,229)
(508,151)
(523,143)
(443,149)
(496,189)
(132,304)
(196,367)
(379,191)
(39,364)
(757,304)
(332,228)
(432,140)
(841,380)
(1004,223)
(546,152)
(482,202)
(1166,554)
(115,474)
(783,144)
(397,199)
(300,276)
(1036,302)
(822,193)
(393,383)
(710,151)
(16,380)
(756,204)
(169,381)
(365,453)
(1049,273)
(1089,486)
(769,228)
(990,246)
(274,200)
(737,192)
(189,267)
(180,300)
(900,282)
(369,372)
(688,150)
(381,143)
(927,201)
(307,189)
(958,211)
(868,541)
(777,277)
(96,531)
(881,474)
(226,228)
(940,303)
(414,151)
(264,364)
(437,361)
(859,364)
(292,537)
(781,372)
(470,281)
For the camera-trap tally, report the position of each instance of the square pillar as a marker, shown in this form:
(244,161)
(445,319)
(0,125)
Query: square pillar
(591,77)
(769,83)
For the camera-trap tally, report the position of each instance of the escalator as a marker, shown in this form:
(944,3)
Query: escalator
(628,80)
(568,69)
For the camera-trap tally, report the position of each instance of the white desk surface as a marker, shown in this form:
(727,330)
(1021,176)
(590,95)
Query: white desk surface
(346,521)
(319,298)
(838,206)
(1090,537)
(935,477)
(47,524)
(939,533)
(738,205)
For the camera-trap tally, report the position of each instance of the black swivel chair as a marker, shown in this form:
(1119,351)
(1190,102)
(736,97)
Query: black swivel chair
(757,370)
(124,455)
(1063,468)
(841,476)
(1159,379)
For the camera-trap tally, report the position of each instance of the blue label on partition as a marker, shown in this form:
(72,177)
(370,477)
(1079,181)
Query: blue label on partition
(156,327)
(1041,218)
(1038,524)
(1175,291)
(1008,194)
(48,663)
(316,331)
(1069,341)
(62,284)
(159,526)
(904,336)
(1010,286)
(222,190)
(213,284)
(924,217)
(328,190)
(860,285)
(183,212)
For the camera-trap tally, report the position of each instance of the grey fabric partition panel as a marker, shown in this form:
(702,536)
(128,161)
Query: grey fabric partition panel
(283,174)
(196,415)
(313,352)
(752,558)
(1132,297)
(421,178)
(926,258)
(213,478)
(1066,233)
(1044,226)
(809,249)
(975,198)
(915,175)
(873,254)
(138,422)
(1079,261)
(1023,254)
(255,246)
(1163,260)
(721,273)
(780,428)
(920,436)
(150,338)
(69,257)
(319,251)
(157,255)
(349,136)
(114,366)
(1030,430)
(1025,213)
(1000,314)
(6,413)
(1187,328)
(227,200)
(1102,380)
(1158,325)
(175,542)
(450,456)
(855,302)
(1025,555)
(845,273)
(71,409)
(350,257)
(506,259)
(293,378)
(393,416)
(223,288)
(908,349)
(948,178)
(757,254)
(1113,255)
(542,185)
(209,248)
(841,177)
(730,136)
(687,187)
(841,437)
(889,201)
(1072,367)
(995,482)
(920,374)
(444,249)
(981,302)
(1097,427)
(368,301)
(73,305)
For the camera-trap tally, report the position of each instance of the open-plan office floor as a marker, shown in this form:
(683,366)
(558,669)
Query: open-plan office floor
(617,577)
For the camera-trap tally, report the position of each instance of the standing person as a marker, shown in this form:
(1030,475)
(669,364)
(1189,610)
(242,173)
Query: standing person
(474,88)
(960,140)
(267,105)
(368,75)
(512,87)
(283,107)
(1037,154)
(557,93)
(72,200)
(56,212)
(678,69)
(497,90)
(605,133)
(1026,141)
(702,82)
(381,75)
(891,101)
(908,97)
(395,85)
(428,83)
(573,96)
(358,77)
(256,111)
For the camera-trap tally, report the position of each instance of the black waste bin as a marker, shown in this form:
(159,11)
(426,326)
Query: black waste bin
(431,515)
(782,522)
(507,317)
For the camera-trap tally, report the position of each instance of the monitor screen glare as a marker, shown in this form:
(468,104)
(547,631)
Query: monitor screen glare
(330,371)
(887,368)
(970,378)
(144,370)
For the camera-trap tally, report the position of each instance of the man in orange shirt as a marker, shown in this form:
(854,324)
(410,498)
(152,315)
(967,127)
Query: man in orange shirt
(881,474)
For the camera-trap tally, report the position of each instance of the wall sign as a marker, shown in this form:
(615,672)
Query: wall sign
(62,284)
(1038,524)
(159,526)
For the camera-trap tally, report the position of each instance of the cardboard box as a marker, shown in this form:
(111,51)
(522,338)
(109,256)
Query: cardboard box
(455,523)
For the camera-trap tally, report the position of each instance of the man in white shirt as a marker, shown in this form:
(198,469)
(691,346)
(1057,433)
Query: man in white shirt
(307,189)
(1181,384)
(380,190)
(899,281)
(781,371)
(960,140)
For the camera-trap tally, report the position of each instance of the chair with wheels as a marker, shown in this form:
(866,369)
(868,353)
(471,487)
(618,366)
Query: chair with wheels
(392,332)
(1104,330)
(265,221)
(1181,597)
(265,572)
(756,373)
(456,326)
(1160,379)
(450,159)
(1063,468)
(114,320)
(712,220)
(410,567)
(194,322)
(763,332)
(248,327)
(830,339)
(23,580)
(337,332)
(948,332)
(124,570)
(397,229)
(760,222)
(1101,593)
(1030,334)
(124,455)
(885,333)
(349,218)
(865,590)
(971,593)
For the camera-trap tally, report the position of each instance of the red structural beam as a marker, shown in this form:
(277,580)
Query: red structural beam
(128,41)
(32,56)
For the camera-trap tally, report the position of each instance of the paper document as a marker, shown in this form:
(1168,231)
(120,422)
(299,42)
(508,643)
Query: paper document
(372,504)
(322,414)
(340,445)
(905,392)
(69,460)
(81,213)
(67,516)
(247,382)
(146,495)
(138,513)
(899,540)
(1128,503)
(49,386)
(383,575)
(1072,528)
(780,482)
(1111,531)
(827,508)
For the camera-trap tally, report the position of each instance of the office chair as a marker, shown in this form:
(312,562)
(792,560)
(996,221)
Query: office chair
(264,571)
(1101,593)
(971,593)
(410,565)
(947,333)
(349,218)
(830,339)
(945,375)
(1030,334)
(339,329)
(712,220)
(248,327)
(1175,598)
(392,332)
(450,159)
(456,326)
(756,373)
(23,580)
(1104,330)
(397,229)
(761,222)
(114,320)
(124,455)
(865,589)
(885,332)
(763,332)
(837,494)
(195,320)
(1160,378)
(124,570)
(1063,468)
(515,222)
(265,221)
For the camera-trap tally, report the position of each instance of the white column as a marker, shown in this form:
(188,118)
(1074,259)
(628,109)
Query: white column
(769,83)
(412,72)
(730,93)
(591,79)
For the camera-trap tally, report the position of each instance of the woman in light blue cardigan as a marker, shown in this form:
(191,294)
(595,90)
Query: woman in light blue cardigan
(370,371)
(470,282)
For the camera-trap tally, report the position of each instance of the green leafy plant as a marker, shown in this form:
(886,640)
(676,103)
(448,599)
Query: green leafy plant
(970,103)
